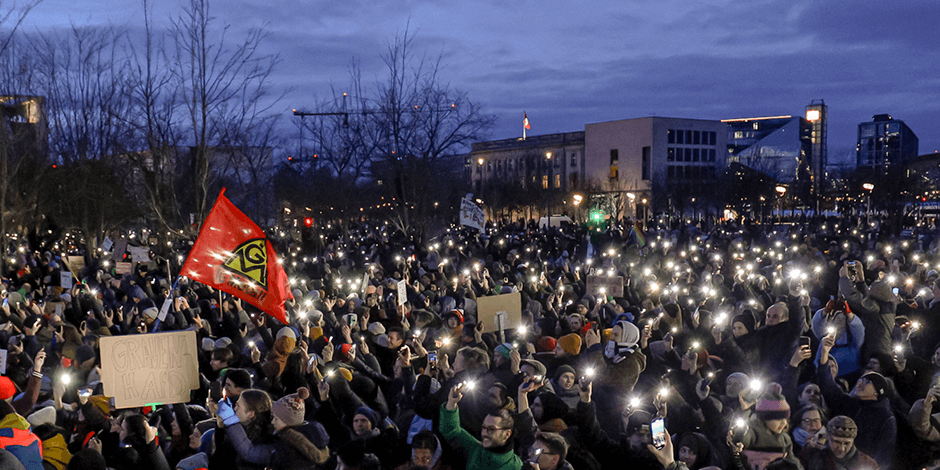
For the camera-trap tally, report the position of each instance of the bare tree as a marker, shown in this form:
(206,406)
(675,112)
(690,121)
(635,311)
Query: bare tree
(219,83)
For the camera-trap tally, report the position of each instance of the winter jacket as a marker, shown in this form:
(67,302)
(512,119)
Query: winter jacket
(848,347)
(760,438)
(823,459)
(16,438)
(478,458)
(296,447)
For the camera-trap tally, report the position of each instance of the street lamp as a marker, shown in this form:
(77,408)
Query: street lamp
(548,156)
(868,187)
(782,190)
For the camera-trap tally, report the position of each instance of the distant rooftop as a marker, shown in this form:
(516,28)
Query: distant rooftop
(530,142)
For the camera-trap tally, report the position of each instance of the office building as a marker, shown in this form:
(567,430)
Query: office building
(885,142)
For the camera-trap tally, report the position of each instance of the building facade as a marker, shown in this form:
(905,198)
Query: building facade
(885,142)
(772,145)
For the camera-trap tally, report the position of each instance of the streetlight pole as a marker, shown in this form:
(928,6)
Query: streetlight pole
(548,156)
(869,187)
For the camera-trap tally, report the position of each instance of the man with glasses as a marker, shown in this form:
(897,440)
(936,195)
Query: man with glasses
(548,452)
(840,452)
(494,450)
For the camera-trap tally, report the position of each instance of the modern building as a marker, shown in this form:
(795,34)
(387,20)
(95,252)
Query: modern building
(773,145)
(792,150)
(633,158)
(885,142)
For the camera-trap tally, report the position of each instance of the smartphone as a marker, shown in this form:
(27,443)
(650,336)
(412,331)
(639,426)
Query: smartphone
(351,319)
(895,290)
(804,341)
(215,391)
(432,356)
(658,429)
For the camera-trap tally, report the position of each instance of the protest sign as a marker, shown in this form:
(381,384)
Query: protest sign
(65,279)
(140,254)
(471,214)
(75,263)
(120,247)
(402,292)
(605,285)
(107,244)
(123,268)
(488,307)
(138,370)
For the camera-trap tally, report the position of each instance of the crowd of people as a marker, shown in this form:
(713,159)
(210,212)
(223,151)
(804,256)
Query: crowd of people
(810,345)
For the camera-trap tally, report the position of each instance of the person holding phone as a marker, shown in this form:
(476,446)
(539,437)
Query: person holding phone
(766,437)
(494,450)
(849,332)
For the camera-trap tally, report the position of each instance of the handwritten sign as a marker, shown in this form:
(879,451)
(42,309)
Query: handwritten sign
(107,244)
(488,307)
(402,292)
(76,263)
(123,267)
(471,214)
(65,279)
(605,285)
(140,254)
(138,370)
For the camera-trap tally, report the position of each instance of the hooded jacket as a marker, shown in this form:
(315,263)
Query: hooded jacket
(16,438)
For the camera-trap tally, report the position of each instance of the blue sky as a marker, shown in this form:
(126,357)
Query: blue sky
(571,63)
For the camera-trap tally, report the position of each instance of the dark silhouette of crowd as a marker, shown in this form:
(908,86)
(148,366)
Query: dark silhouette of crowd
(809,345)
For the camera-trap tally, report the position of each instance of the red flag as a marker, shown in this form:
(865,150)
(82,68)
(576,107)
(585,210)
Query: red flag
(234,255)
(525,120)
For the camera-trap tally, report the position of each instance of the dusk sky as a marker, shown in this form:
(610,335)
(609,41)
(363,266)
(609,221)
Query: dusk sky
(571,63)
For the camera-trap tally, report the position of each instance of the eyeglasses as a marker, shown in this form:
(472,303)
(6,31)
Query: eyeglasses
(492,429)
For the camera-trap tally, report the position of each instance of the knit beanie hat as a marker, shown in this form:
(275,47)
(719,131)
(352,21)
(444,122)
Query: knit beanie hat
(842,426)
(369,414)
(564,368)
(545,344)
(7,389)
(290,408)
(878,381)
(746,319)
(194,462)
(571,343)
(772,404)
(504,349)
(376,328)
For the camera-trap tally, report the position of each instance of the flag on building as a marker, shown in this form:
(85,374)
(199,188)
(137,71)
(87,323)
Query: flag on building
(525,120)
(234,255)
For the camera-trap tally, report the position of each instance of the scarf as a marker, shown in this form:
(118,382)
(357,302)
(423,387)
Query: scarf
(630,336)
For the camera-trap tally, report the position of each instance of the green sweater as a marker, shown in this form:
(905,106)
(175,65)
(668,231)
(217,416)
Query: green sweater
(478,458)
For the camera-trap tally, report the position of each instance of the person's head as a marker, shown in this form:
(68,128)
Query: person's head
(742,324)
(772,408)
(637,428)
(576,321)
(472,359)
(135,429)
(195,438)
(364,421)
(549,450)
(253,404)
(236,381)
(736,383)
(810,395)
(221,358)
(777,313)
(936,357)
(811,418)
(498,395)
(582,309)
(497,429)
(870,387)
(289,410)
(424,446)
(565,377)
(396,337)
(842,432)
(690,448)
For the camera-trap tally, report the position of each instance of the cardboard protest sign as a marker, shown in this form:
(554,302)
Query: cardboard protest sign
(123,268)
(471,214)
(488,307)
(138,370)
(402,292)
(75,263)
(65,279)
(605,285)
(140,254)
